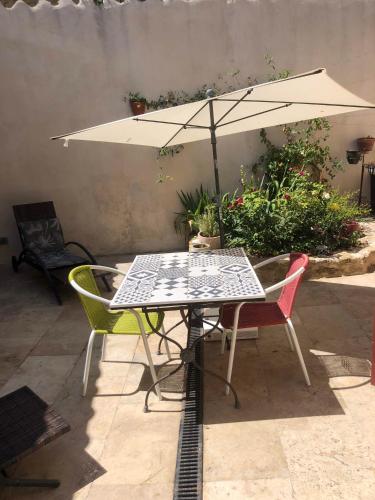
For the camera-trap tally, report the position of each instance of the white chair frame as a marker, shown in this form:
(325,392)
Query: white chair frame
(289,328)
(90,344)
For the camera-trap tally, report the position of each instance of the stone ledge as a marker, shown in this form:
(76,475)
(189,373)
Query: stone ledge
(360,260)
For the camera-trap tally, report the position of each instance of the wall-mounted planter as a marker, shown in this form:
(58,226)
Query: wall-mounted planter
(137,107)
(366,144)
(353,157)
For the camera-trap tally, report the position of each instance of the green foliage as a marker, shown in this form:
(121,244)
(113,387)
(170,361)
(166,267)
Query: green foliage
(169,151)
(194,205)
(291,214)
(207,222)
(227,82)
(135,96)
(305,148)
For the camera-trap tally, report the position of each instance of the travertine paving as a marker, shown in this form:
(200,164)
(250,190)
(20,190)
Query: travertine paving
(286,441)
(114,450)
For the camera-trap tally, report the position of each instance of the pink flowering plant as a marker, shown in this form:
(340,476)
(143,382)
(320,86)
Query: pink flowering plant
(291,214)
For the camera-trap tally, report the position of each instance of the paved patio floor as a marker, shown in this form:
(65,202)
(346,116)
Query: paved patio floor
(286,441)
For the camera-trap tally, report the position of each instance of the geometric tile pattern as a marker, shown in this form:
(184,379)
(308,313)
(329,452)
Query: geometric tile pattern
(183,278)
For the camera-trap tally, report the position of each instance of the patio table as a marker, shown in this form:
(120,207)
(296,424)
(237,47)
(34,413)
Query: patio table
(188,282)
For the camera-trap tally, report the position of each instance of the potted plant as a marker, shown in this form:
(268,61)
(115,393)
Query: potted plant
(366,144)
(208,227)
(193,204)
(137,103)
(351,226)
(353,157)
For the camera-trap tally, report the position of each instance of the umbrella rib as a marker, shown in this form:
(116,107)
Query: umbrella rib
(183,125)
(237,102)
(299,102)
(187,124)
(255,114)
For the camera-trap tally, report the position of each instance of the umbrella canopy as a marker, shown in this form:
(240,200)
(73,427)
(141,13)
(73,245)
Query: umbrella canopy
(301,97)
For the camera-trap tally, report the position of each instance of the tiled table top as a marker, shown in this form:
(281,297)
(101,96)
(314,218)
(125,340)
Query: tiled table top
(186,278)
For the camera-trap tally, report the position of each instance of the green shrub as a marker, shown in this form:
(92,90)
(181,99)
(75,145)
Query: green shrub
(294,214)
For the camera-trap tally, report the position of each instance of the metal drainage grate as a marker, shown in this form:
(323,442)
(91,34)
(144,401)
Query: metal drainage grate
(188,478)
(345,366)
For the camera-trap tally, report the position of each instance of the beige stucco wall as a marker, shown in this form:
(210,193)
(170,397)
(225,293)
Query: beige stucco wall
(68,67)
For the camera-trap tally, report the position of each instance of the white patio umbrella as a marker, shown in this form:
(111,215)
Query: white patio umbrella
(297,98)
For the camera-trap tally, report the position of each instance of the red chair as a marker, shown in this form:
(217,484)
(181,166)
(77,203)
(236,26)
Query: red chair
(250,315)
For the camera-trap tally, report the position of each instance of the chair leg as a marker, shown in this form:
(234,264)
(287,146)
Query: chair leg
(151,364)
(233,345)
(298,349)
(223,340)
(166,343)
(88,362)
(15,264)
(289,337)
(104,347)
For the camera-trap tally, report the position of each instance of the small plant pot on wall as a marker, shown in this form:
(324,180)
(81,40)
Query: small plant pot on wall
(137,107)
(366,144)
(212,241)
(353,157)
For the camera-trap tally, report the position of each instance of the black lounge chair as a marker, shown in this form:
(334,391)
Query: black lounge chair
(26,424)
(43,245)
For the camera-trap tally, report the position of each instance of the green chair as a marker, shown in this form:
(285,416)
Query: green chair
(105,322)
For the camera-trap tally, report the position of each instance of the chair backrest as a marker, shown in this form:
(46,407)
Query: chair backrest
(96,311)
(288,292)
(34,211)
(38,226)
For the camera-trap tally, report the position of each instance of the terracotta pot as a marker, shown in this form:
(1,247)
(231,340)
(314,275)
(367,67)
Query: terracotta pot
(365,144)
(351,226)
(137,107)
(353,157)
(213,241)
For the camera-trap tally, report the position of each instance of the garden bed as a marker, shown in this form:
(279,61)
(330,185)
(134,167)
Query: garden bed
(360,260)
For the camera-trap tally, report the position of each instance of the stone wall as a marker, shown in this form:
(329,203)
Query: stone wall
(68,66)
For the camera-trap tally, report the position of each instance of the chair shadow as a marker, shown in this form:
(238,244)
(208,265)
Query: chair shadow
(269,382)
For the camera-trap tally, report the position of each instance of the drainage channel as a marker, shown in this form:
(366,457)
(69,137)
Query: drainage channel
(188,478)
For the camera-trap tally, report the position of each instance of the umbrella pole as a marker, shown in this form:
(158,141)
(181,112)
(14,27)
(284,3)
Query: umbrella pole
(216,170)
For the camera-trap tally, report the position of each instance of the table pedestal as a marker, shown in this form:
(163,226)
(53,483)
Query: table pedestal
(194,317)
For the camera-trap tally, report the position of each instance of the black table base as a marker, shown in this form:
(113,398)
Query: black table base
(187,354)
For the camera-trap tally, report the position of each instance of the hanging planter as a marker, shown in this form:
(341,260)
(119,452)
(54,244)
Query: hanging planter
(366,144)
(353,157)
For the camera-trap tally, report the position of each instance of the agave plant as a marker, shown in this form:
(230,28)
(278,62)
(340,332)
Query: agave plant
(194,204)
